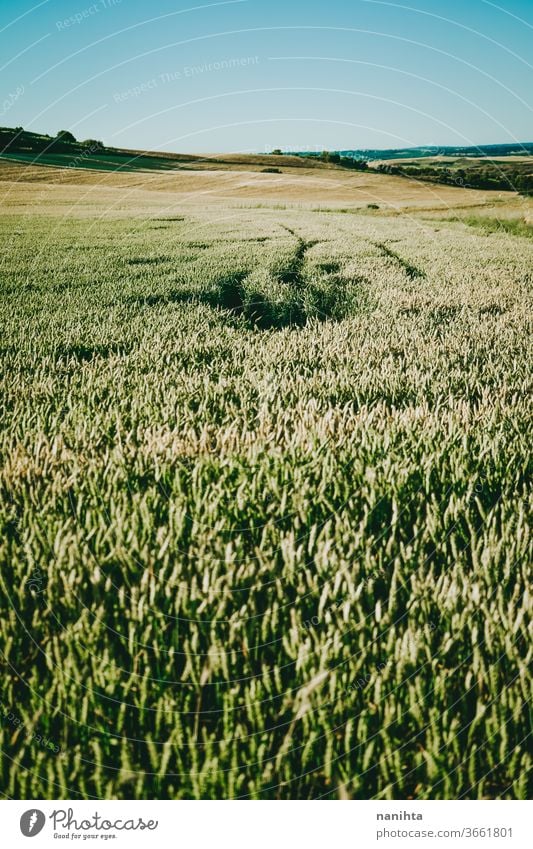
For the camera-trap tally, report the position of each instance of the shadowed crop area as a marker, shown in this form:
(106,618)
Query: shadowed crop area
(264,501)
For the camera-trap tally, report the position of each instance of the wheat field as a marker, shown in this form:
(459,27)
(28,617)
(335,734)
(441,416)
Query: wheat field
(264,491)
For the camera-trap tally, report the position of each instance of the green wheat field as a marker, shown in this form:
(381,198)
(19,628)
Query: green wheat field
(264,495)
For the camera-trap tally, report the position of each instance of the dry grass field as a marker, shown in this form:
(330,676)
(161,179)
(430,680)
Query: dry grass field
(229,181)
(264,514)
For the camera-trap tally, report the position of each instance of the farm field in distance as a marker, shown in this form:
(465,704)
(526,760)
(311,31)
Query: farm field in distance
(508,173)
(264,484)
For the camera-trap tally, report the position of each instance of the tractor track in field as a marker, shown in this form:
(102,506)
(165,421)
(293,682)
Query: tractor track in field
(282,297)
(411,270)
(292,274)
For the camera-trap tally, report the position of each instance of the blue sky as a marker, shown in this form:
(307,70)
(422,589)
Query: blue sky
(250,75)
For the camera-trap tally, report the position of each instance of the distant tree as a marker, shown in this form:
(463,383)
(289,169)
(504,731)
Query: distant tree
(328,156)
(93,144)
(276,152)
(524,184)
(352,162)
(65,136)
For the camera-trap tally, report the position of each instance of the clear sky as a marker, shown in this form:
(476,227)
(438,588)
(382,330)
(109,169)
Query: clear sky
(250,75)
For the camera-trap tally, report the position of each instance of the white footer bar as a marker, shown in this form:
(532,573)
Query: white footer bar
(267,825)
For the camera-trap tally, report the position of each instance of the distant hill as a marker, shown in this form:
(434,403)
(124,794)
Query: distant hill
(19,140)
(491,167)
(489,150)
(63,150)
